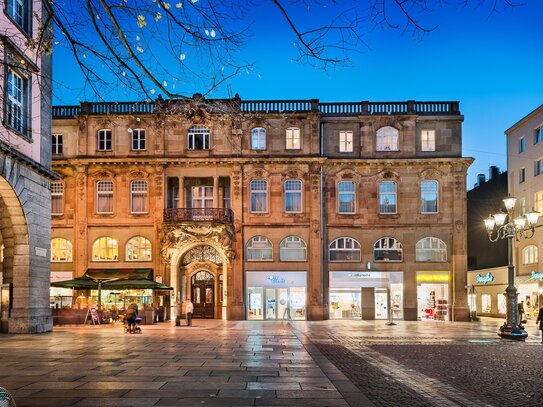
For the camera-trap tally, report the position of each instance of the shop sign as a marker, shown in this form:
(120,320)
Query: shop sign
(484,279)
(276,279)
(433,277)
(537,276)
(360,275)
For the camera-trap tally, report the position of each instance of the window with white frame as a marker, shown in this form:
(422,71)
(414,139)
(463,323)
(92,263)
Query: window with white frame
(139,141)
(292,248)
(521,145)
(57,198)
(104,197)
(387,197)
(18,103)
(259,248)
(198,138)
(293,139)
(530,255)
(521,175)
(20,12)
(522,206)
(538,135)
(431,249)
(344,249)
(293,196)
(259,196)
(258,138)
(387,249)
(56,143)
(428,140)
(138,197)
(538,201)
(61,250)
(345,141)
(105,140)
(138,248)
(388,139)
(346,197)
(538,167)
(429,196)
(105,249)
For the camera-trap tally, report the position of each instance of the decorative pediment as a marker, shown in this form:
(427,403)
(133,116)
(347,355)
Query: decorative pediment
(258,173)
(347,174)
(293,174)
(102,174)
(137,174)
(430,173)
(388,174)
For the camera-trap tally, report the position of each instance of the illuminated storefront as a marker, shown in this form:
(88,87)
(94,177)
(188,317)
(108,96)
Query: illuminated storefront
(530,290)
(365,295)
(274,295)
(433,295)
(486,291)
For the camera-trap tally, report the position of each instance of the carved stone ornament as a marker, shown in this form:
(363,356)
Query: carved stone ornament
(82,228)
(236,183)
(175,237)
(102,174)
(81,182)
(137,174)
(431,173)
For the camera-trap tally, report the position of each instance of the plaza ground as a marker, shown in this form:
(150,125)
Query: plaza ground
(227,363)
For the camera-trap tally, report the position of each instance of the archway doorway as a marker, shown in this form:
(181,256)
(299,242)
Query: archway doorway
(203,294)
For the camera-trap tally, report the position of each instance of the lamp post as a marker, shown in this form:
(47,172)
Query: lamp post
(514,228)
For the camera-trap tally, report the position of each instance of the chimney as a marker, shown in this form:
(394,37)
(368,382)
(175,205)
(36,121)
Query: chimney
(493,172)
(481,179)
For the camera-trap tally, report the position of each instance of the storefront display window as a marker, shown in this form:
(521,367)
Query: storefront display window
(502,304)
(486,303)
(433,301)
(345,304)
(529,293)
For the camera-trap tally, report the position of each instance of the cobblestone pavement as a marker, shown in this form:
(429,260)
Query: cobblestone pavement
(328,363)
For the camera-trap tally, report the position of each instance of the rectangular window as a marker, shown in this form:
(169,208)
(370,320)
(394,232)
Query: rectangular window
(104,197)
(226,197)
(104,140)
(428,140)
(522,175)
(521,145)
(293,196)
(202,197)
(17,103)
(57,143)
(522,206)
(538,135)
(198,138)
(538,167)
(259,196)
(57,198)
(345,141)
(293,141)
(138,197)
(138,140)
(428,196)
(538,201)
(258,138)
(346,197)
(486,303)
(19,11)
(387,197)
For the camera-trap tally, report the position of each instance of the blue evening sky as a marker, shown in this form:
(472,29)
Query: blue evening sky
(492,64)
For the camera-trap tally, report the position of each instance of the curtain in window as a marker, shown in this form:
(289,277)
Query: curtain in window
(259,196)
(104,198)
(293,196)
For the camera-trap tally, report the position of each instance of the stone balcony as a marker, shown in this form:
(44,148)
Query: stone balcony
(182,215)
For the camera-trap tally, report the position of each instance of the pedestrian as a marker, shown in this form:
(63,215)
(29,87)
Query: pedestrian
(131,315)
(189,310)
(520,308)
(540,320)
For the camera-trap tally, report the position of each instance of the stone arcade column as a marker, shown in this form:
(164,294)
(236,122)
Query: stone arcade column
(315,278)
(234,281)
(81,239)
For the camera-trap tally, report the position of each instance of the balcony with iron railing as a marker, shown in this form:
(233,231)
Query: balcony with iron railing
(179,215)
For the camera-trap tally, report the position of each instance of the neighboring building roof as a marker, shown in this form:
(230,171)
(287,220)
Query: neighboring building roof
(525,118)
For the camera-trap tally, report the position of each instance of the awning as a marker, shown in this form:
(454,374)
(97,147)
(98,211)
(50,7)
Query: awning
(110,274)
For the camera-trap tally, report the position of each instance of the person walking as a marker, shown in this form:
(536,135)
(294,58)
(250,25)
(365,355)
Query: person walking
(189,310)
(540,320)
(520,309)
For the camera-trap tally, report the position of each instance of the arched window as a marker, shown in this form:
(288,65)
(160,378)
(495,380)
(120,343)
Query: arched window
(293,138)
(344,249)
(431,249)
(293,195)
(61,250)
(105,249)
(428,196)
(259,196)
(258,138)
(198,138)
(292,248)
(138,249)
(138,197)
(387,249)
(259,248)
(388,139)
(387,197)
(530,255)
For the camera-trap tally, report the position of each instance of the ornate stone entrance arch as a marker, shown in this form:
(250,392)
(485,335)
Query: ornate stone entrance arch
(179,239)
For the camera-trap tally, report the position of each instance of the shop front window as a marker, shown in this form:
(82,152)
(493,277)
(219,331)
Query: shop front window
(502,304)
(433,301)
(486,303)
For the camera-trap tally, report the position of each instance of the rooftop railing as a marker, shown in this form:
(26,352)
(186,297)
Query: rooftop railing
(364,108)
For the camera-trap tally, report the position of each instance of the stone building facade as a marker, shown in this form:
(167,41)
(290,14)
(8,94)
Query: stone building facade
(25,160)
(266,210)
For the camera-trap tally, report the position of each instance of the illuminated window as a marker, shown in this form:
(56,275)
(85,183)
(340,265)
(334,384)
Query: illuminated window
(388,139)
(294,140)
(428,196)
(17,102)
(105,249)
(344,249)
(345,141)
(431,249)
(293,196)
(138,249)
(259,248)
(258,138)
(57,198)
(538,201)
(486,303)
(292,248)
(530,255)
(61,250)
(259,196)
(104,197)
(387,249)
(138,197)
(387,197)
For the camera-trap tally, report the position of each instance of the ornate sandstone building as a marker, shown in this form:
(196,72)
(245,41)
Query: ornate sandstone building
(266,210)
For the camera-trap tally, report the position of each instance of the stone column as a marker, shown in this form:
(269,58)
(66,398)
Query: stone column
(368,303)
(234,281)
(216,191)
(181,197)
(315,278)
(81,257)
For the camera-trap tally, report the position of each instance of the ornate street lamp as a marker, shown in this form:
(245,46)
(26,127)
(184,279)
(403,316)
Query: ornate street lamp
(515,228)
